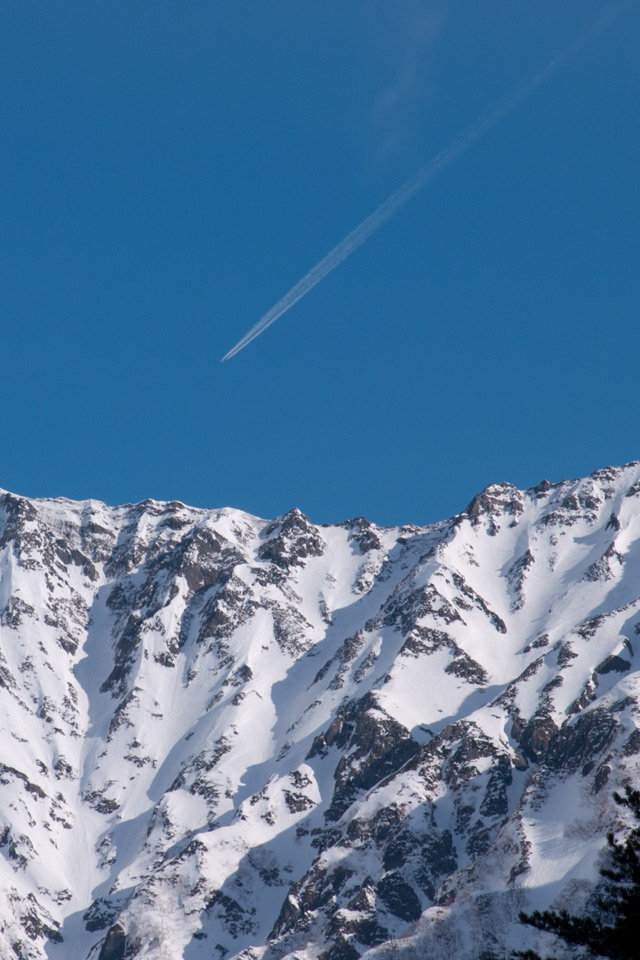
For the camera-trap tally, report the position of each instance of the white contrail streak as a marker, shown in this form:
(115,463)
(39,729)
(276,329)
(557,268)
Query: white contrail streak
(459,145)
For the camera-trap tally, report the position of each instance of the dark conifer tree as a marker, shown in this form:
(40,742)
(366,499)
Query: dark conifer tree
(615,935)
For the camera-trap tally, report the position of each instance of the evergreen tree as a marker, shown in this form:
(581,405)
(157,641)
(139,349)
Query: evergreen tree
(616,934)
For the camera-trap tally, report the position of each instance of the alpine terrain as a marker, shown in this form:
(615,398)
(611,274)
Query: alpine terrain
(229,737)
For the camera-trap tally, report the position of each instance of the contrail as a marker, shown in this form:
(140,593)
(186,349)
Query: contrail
(425,175)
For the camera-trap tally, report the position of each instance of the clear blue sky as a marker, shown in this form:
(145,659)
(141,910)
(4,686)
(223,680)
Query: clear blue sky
(168,170)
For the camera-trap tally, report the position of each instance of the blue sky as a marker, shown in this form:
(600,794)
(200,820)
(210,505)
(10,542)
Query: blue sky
(170,170)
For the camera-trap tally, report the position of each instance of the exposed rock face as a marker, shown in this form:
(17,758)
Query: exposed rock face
(225,737)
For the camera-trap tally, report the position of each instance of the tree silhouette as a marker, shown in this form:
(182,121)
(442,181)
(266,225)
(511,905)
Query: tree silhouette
(616,933)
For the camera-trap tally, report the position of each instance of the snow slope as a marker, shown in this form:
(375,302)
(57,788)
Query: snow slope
(229,737)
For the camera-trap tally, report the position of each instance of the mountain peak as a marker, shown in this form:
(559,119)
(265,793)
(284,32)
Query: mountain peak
(232,737)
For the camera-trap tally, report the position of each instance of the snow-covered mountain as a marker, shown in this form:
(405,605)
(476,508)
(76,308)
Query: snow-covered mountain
(229,737)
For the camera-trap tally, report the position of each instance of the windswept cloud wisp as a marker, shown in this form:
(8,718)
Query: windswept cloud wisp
(425,175)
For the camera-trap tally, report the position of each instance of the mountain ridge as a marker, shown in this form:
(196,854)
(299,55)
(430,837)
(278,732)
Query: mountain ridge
(235,737)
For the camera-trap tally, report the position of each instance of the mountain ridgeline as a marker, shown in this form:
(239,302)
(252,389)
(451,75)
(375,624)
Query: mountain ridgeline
(225,737)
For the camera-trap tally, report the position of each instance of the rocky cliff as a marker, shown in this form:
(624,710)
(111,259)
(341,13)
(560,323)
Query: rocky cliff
(229,737)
